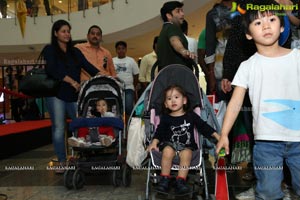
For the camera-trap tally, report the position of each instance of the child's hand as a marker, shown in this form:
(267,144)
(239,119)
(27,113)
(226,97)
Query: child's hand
(223,143)
(153,145)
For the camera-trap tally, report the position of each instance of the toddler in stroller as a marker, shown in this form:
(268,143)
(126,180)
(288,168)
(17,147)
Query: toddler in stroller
(99,93)
(175,136)
(102,135)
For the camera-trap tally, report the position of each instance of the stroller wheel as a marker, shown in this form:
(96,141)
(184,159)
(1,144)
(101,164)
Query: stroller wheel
(116,178)
(126,175)
(68,179)
(78,179)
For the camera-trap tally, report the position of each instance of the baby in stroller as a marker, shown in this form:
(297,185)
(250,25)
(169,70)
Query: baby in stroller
(97,96)
(175,136)
(103,135)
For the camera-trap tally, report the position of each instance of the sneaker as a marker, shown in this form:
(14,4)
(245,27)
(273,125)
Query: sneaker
(246,195)
(163,185)
(76,142)
(181,186)
(106,140)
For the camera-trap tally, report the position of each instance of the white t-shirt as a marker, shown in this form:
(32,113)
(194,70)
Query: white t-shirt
(125,69)
(274,90)
(192,46)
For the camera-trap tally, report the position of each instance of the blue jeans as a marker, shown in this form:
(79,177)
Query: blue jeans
(58,109)
(129,101)
(268,158)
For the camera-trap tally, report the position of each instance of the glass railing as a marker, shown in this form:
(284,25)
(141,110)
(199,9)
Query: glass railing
(36,8)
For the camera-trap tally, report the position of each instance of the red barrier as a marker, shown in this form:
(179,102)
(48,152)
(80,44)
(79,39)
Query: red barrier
(9,92)
(25,126)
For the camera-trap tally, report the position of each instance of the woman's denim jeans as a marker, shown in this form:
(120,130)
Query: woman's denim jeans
(268,158)
(129,101)
(58,109)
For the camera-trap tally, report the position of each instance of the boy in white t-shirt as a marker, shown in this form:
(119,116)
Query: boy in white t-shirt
(128,71)
(272,76)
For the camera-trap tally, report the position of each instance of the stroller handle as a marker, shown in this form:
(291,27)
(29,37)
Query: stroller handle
(195,66)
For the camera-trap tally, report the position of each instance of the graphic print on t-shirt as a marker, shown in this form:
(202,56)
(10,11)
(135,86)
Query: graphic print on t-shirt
(289,117)
(121,67)
(181,135)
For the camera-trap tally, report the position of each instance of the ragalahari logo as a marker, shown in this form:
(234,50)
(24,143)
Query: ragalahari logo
(236,10)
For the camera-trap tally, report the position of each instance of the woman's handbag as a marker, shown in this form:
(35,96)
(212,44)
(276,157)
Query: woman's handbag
(37,83)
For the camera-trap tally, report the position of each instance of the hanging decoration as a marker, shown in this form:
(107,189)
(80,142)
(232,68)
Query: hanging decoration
(21,15)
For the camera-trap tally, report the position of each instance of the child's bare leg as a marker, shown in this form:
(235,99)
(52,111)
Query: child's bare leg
(185,161)
(181,186)
(168,154)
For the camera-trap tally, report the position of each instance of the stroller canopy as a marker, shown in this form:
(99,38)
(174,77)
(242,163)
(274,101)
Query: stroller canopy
(99,87)
(174,75)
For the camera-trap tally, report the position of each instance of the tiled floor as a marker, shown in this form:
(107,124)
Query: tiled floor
(26,177)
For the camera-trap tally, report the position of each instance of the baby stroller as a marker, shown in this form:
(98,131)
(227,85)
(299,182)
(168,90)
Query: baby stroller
(184,77)
(96,158)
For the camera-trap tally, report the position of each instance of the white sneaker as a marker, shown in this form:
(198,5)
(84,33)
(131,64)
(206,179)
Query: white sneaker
(246,195)
(76,142)
(106,140)
(250,194)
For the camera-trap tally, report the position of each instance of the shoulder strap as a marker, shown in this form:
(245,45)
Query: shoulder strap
(40,62)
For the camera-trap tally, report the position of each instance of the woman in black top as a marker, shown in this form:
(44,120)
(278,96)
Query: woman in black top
(63,62)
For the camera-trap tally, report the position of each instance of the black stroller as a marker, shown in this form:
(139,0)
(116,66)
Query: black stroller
(96,158)
(152,100)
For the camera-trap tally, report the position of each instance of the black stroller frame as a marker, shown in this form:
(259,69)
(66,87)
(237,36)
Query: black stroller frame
(96,159)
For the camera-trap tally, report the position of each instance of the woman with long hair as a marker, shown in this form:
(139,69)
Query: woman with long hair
(63,62)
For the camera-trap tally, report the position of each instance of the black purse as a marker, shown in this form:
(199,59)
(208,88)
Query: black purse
(37,83)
